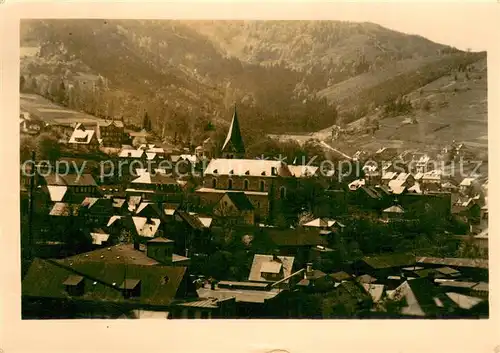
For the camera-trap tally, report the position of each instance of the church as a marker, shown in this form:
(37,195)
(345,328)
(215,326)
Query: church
(265,183)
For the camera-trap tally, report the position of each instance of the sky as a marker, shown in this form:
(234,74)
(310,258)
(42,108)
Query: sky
(462,26)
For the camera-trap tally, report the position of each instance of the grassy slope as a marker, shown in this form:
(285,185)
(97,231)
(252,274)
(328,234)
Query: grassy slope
(458,111)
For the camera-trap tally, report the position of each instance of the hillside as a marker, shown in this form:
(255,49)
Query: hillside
(303,76)
(303,45)
(452,107)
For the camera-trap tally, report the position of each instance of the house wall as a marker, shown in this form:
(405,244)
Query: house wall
(112,136)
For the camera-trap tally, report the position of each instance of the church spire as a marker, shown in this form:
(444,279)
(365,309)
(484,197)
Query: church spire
(233,145)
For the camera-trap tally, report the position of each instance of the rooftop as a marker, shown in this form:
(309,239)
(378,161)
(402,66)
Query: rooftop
(455,262)
(250,167)
(263,260)
(102,280)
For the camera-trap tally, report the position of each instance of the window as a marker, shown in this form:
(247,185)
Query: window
(282,192)
(245,184)
(214,183)
(204,314)
(230,184)
(262,185)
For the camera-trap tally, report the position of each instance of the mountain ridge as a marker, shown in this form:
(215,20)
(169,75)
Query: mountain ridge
(185,76)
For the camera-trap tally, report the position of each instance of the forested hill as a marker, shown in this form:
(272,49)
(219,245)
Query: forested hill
(187,75)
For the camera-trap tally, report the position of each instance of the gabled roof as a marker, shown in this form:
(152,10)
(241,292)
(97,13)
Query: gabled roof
(107,123)
(81,135)
(57,192)
(464,301)
(389,175)
(261,262)
(191,219)
(234,141)
(64,209)
(366,279)
(421,297)
(146,207)
(415,188)
(131,153)
(121,254)
(375,290)
(323,222)
(156,179)
(250,167)
(467,181)
(102,280)
(146,227)
(394,209)
(99,236)
(90,202)
(240,200)
(303,171)
(70,180)
(372,192)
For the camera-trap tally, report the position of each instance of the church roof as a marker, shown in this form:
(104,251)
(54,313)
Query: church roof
(234,141)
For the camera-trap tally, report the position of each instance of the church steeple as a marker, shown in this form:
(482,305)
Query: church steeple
(233,145)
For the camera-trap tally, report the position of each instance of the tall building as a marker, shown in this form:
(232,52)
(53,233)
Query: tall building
(233,145)
(264,182)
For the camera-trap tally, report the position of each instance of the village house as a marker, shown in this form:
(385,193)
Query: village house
(156,186)
(206,150)
(400,183)
(467,185)
(394,213)
(84,138)
(191,231)
(301,243)
(420,298)
(103,284)
(474,268)
(139,137)
(380,267)
(70,188)
(315,281)
(63,130)
(326,224)
(469,210)
(264,182)
(431,180)
(29,125)
(96,210)
(235,208)
(112,133)
(265,293)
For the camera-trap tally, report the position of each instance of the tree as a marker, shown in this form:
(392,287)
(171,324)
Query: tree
(27,146)
(146,122)
(61,95)
(34,85)
(48,147)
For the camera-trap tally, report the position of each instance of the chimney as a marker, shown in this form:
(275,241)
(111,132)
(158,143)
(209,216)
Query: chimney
(309,269)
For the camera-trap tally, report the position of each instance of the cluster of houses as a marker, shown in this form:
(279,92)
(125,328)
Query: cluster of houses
(146,235)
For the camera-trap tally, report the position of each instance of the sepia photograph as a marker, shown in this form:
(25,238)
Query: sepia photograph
(251,169)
